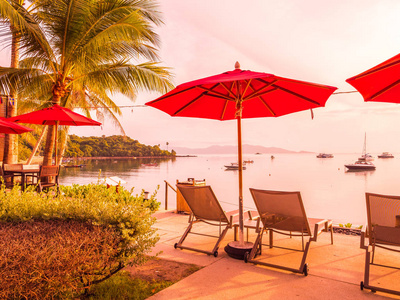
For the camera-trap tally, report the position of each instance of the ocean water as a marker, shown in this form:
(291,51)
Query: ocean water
(328,191)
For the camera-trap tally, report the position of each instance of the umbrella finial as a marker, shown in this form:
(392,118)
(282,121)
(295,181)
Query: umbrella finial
(237,65)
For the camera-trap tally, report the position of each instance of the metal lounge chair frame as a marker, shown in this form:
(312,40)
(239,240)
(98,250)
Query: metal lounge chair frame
(382,231)
(204,208)
(277,216)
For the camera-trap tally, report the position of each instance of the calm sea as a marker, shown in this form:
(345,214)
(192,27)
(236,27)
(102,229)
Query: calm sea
(328,191)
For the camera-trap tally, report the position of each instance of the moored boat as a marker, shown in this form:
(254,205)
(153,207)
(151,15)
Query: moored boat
(386,155)
(325,155)
(234,166)
(365,156)
(361,165)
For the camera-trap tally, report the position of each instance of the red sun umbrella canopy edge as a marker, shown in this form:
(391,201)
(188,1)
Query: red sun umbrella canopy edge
(55,115)
(380,83)
(8,127)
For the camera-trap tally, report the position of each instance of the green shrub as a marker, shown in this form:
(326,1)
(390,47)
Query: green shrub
(122,286)
(128,217)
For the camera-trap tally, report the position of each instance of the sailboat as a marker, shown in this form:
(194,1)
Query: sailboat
(363,163)
(365,156)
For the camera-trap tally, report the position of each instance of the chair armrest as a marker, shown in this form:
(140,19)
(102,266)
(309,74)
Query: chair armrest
(317,225)
(363,238)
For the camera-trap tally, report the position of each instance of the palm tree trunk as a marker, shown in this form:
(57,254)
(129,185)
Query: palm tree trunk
(49,148)
(10,155)
(63,145)
(51,133)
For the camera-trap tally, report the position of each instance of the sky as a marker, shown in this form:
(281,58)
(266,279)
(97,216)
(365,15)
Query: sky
(318,41)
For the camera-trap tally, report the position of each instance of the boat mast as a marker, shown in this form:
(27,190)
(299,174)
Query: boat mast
(365,145)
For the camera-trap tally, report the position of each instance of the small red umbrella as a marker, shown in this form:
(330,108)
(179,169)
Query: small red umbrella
(11,127)
(55,115)
(380,83)
(242,94)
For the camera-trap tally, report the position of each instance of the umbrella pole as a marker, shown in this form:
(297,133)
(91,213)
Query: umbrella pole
(55,142)
(238,249)
(240,162)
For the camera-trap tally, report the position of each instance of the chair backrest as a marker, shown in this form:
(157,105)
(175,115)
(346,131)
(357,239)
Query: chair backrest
(47,171)
(281,210)
(203,203)
(383,214)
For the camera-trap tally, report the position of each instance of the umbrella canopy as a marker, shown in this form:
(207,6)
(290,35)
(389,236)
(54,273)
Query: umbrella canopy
(242,94)
(11,127)
(55,115)
(380,83)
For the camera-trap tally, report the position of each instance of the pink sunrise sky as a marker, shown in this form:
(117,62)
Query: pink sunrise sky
(324,42)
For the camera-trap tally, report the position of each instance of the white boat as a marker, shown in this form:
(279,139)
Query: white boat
(361,165)
(234,166)
(365,156)
(325,155)
(386,155)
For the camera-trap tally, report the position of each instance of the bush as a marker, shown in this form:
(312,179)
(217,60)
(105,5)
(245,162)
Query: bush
(118,227)
(47,259)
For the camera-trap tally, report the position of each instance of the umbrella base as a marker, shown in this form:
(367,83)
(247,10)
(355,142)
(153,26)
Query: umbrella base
(236,250)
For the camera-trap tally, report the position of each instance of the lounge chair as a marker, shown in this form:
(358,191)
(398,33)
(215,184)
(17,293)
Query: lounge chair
(383,231)
(204,208)
(283,213)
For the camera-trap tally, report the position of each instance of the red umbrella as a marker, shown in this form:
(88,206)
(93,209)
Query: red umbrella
(380,83)
(12,128)
(242,94)
(55,115)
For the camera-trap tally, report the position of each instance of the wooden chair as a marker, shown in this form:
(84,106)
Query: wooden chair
(284,213)
(383,231)
(5,177)
(47,178)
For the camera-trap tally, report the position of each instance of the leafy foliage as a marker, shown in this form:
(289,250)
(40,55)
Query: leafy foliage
(123,286)
(81,53)
(111,146)
(122,220)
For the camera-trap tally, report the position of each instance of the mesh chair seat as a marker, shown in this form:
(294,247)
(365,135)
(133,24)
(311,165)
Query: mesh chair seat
(284,213)
(383,231)
(204,208)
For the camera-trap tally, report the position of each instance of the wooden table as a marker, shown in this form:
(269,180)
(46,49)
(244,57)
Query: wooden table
(23,172)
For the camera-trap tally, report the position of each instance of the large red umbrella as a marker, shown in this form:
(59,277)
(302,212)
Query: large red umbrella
(242,94)
(55,115)
(11,127)
(380,83)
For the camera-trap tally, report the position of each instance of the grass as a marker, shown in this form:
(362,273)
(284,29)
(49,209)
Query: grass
(123,286)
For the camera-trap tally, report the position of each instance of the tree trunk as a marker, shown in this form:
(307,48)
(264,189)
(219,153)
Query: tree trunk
(63,146)
(49,148)
(10,155)
(34,150)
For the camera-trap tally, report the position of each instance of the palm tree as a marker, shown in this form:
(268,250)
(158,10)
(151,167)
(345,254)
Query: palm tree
(16,24)
(86,57)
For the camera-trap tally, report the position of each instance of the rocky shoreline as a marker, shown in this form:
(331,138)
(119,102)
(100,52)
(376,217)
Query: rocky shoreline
(347,231)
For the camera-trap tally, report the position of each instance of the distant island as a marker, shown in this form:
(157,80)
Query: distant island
(248,149)
(112,146)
